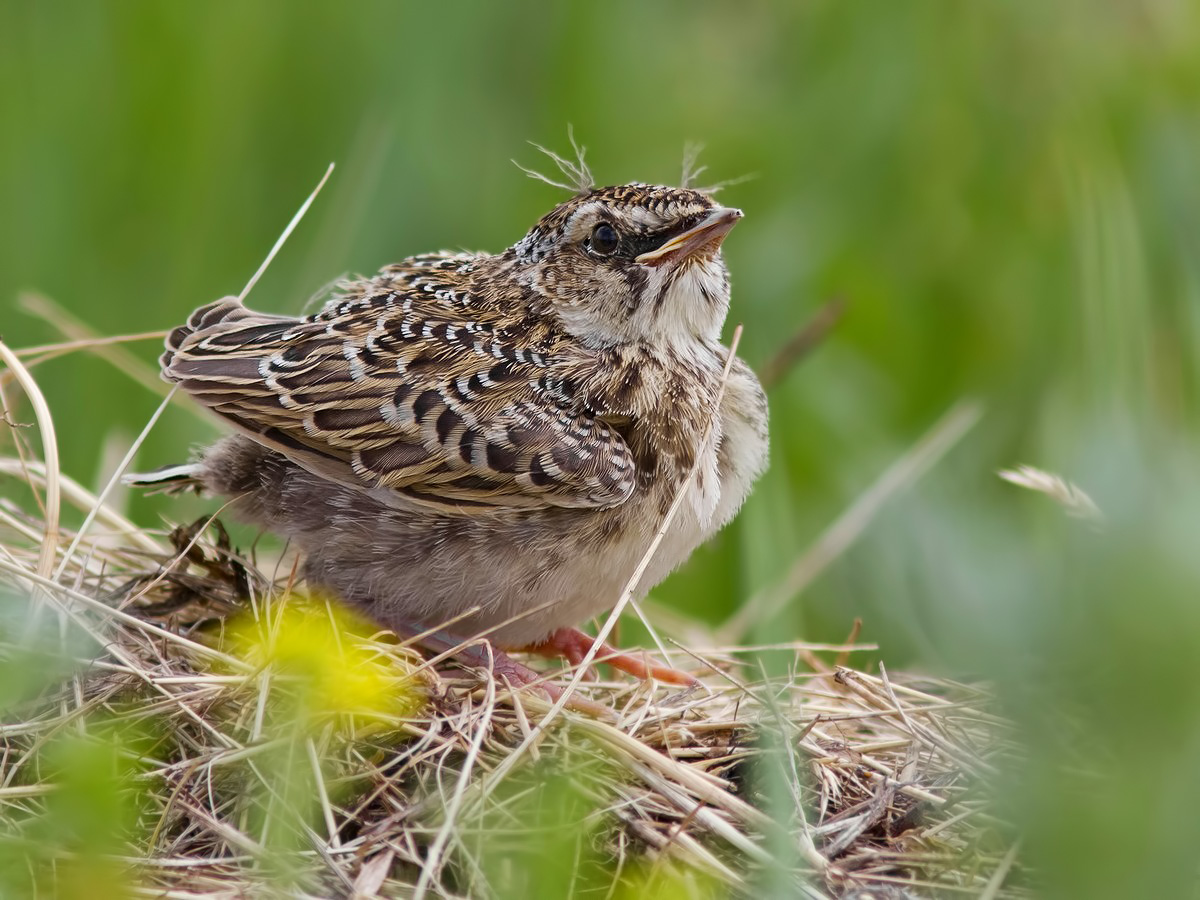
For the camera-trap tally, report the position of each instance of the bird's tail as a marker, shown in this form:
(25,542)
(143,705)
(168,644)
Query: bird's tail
(168,479)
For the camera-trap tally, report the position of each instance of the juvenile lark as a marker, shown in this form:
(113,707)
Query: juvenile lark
(493,440)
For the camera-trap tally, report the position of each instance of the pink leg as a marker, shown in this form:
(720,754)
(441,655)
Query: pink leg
(502,667)
(574,645)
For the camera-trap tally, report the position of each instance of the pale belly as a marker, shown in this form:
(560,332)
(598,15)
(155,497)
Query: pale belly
(516,580)
(520,578)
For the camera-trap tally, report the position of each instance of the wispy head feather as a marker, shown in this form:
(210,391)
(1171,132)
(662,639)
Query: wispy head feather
(691,172)
(578,179)
(578,176)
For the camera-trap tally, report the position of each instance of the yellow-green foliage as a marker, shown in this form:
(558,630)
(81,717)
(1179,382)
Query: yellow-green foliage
(322,685)
(321,662)
(665,881)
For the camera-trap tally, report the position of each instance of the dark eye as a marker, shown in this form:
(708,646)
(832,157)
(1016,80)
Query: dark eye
(604,239)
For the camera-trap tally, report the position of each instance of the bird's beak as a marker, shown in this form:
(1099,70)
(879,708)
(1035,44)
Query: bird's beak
(709,232)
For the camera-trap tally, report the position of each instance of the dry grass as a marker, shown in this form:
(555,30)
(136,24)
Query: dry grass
(1070,497)
(873,781)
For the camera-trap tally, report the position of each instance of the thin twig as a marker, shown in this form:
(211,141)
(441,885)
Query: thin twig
(287,232)
(79,332)
(43,352)
(113,481)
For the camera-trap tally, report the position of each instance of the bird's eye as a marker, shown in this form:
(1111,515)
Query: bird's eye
(604,239)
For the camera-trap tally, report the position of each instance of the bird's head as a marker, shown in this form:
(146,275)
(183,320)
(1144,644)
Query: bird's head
(635,262)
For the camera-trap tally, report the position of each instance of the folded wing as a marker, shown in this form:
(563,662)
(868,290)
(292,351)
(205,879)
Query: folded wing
(405,397)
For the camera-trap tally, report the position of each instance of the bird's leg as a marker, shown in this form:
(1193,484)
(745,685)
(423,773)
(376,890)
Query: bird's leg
(573,644)
(500,667)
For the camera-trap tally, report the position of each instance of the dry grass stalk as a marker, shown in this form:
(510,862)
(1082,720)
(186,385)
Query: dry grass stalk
(1067,495)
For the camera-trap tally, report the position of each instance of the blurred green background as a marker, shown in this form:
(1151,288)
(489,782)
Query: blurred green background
(1006,194)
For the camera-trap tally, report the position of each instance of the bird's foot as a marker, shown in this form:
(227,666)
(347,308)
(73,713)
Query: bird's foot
(573,644)
(506,671)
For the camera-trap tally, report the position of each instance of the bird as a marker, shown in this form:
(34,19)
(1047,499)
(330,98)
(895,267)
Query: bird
(477,449)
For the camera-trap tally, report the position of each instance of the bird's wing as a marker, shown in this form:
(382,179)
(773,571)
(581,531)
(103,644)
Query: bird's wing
(401,391)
